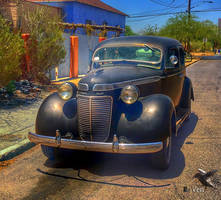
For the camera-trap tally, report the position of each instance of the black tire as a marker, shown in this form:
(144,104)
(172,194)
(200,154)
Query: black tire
(161,159)
(53,153)
(188,105)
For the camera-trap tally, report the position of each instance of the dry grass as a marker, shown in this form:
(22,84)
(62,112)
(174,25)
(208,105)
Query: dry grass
(202,53)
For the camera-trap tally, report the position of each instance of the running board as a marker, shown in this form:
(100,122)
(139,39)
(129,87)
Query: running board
(180,120)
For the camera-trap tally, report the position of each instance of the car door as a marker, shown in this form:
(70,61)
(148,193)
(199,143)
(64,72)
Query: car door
(172,83)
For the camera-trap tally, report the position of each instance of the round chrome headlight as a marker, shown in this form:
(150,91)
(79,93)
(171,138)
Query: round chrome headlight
(129,94)
(65,91)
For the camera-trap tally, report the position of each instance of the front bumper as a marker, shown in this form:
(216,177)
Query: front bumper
(114,147)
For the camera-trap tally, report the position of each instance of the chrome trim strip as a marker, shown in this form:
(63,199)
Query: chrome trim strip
(175,74)
(83,87)
(113,86)
(151,147)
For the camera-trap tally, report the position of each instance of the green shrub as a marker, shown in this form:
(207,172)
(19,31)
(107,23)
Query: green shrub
(10,87)
(196,46)
(200,46)
(11,52)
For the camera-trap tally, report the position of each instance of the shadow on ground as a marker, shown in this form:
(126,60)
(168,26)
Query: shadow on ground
(216,57)
(104,164)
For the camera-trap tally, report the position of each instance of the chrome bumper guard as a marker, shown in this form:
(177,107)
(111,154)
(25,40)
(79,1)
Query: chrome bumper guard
(114,147)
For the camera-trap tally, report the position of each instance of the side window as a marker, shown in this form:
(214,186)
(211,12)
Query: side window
(182,56)
(172,52)
(104,23)
(88,22)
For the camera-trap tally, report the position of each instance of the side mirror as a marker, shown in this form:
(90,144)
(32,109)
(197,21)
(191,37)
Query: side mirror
(174,60)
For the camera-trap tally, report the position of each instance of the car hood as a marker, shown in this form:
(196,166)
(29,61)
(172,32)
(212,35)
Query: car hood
(111,75)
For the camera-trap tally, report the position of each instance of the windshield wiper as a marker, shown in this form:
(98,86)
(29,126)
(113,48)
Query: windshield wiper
(149,47)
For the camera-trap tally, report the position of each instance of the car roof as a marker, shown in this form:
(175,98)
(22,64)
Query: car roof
(161,42)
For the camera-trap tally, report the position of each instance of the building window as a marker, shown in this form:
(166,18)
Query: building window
(104,23)
(88,22)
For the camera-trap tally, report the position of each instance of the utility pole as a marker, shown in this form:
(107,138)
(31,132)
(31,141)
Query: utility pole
(189,15)
(189,8)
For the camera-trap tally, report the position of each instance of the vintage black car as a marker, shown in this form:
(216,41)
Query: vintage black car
(133,99)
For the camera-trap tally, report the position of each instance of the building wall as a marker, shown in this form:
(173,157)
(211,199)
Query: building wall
(97,16)
(85,49)
(75,12)
(26,7)
(15,12)
(8,9)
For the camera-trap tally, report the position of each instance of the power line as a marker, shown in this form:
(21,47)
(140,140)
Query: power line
(151,17)
(173,13)
(157,10)
(167,10)
(170,10)
(163,3)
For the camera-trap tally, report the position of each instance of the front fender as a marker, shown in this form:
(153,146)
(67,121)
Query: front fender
(55,113)
(153,122)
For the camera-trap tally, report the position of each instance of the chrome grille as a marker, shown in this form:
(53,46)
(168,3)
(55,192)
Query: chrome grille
(94,117)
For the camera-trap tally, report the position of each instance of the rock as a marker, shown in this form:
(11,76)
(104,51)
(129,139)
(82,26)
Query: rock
(17,92)
(17,85)
(25,82)
(3,91)
(25,91)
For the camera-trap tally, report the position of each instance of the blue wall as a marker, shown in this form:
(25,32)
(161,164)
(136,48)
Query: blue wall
(75,12)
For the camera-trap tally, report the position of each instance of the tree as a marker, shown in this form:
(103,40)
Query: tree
(150,30)
(129,31)
(202,35)
(46,42)
(11,52)
(181,27)
(209,32)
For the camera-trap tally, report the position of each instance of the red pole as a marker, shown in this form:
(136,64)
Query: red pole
(74,57)
(25,37)
(101,39)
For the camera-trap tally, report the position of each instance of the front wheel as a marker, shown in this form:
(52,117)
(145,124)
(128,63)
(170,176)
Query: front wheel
(53,153)
(161,159)
(189,108)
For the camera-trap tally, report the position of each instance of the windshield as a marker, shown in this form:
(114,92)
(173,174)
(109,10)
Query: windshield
(139,54)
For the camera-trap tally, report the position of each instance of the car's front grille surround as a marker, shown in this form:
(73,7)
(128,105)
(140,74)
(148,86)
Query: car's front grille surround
(94,117)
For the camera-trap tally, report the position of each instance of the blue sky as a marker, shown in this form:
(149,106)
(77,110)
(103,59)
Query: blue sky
(149,7)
